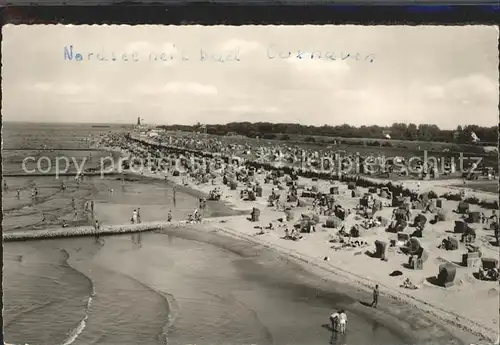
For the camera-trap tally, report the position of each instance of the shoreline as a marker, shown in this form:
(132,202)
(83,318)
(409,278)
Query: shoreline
(388,314)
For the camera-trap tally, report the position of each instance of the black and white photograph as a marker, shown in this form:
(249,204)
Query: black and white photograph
(254,184)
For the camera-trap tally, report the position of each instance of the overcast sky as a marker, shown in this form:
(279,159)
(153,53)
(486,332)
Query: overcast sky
(441,75)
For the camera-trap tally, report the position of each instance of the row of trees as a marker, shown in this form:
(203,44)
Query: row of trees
(398,131)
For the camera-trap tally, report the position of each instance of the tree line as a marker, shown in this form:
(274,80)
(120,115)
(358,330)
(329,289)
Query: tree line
(397,131)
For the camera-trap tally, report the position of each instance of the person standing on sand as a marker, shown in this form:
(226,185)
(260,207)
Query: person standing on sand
(342,321)
(134,217)
(169,217)
(375,297)
(18,194)
(97,228)
(138,215)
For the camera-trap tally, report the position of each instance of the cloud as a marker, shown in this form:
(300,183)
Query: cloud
(434,92)
(179,88)
(354,95)
(473,85)
(470,89)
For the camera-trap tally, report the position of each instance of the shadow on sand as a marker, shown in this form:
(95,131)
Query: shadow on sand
(433,280)
(366,304)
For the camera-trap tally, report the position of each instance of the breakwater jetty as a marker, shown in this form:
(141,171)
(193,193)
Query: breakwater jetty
(117,229)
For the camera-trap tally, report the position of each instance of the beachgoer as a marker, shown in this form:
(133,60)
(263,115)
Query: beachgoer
(73,202)
(494,217)
(334,319)
(138,215)
(18,193)
(75,216)
(169,216)
(375,297)
(97,228)
(134,217)
(92,206)
(343,321)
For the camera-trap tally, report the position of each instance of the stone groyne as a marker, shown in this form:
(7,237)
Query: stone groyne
(82,231)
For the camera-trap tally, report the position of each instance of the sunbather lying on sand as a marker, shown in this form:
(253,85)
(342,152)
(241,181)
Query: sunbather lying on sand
(407,284)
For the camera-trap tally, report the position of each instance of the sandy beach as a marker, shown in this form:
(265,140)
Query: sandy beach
(452,306)
(449,305)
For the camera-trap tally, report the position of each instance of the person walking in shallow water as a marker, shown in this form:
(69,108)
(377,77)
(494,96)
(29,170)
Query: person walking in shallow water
(375,297)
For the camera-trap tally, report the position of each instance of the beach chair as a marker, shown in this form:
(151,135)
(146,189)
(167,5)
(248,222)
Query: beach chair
(441,216)
(333,222)
(255,215)
(489,263)
(460,227)
(416,261)
(380,250)
(463,207)
(471,259)
(397,201)
(446,275)
(413,245)
(377,205)
(450,243)
(474,217)
(258,191)
(402,238)
(372,190)
(334,190)
(289,215)
(420,220)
